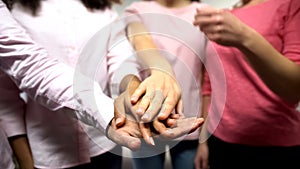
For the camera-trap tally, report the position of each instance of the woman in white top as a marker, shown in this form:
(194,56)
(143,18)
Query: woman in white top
(63,27)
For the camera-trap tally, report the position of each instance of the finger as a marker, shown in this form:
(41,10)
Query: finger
(154,107)
(197,163)
(119,111)
(207,11)
(213,28)
(207,20)
(167,108)
(159,126)
(145,101)
(184,128)
(124,139)
(216,37)
(146,133)
(172,120)
(171,123)
(179,108)
(197,123)
(175,116)
(138,93)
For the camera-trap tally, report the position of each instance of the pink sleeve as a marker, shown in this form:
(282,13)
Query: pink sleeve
(121,62)
(132,13)
(48,81)
(6,152)
(291,33)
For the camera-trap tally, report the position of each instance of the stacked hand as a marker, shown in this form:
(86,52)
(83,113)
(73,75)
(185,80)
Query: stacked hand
(129,126)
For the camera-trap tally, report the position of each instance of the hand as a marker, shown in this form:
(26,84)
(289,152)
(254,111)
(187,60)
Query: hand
(180,127)
(161,94)
(175,125)
(128,135)
(221,26)
(201,158)
(122,105)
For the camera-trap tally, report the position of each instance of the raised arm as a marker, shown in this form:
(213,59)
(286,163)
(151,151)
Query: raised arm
(279,71)
(160,88)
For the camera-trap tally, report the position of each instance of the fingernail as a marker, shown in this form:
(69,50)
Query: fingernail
(133,98)
(118,121)
(145,117)
(161,114)
(139,111)
(151,141)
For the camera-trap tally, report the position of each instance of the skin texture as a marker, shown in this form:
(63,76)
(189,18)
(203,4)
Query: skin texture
(225,29)
(125,123)
(21,151)
(160,85)
(159,93)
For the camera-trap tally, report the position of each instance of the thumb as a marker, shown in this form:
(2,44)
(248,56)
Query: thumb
(119,112)
(179,108)
(124,139)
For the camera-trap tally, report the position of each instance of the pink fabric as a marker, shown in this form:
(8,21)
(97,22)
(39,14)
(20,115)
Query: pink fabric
(6,152)
(12,107)
(253,114)
(41,76)
(180,42)
(58,141)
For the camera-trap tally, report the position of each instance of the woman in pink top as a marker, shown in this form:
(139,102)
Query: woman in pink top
(258,44)
(157,17)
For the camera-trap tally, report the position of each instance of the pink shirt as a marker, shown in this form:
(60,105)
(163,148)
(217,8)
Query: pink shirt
(58,141)
(180,42)
(6,153)
(12,107)
(253,114)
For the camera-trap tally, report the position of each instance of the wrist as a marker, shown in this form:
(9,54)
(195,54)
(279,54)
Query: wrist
(248,38)
(108,127)
(129,81)
(162,69)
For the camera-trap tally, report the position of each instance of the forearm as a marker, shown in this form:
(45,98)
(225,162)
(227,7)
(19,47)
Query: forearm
(146,49)
(206,99)
(205,105)
(22,151)
(279,73)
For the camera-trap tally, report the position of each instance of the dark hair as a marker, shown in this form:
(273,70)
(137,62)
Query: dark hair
(8,3)
(34,5)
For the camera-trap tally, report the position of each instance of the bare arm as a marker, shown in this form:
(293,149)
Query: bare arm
(161,85)
(279,73)
(22,151)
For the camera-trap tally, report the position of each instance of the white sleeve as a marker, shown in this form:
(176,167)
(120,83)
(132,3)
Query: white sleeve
(45,79)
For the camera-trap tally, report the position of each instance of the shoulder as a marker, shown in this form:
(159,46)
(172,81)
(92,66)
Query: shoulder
(141,4)
(199,4)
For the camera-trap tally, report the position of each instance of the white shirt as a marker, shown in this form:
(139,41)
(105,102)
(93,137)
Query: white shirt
(50,82)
